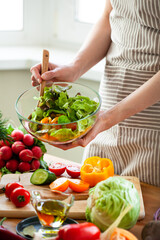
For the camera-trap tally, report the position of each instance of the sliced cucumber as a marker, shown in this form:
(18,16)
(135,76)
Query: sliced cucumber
(42,177)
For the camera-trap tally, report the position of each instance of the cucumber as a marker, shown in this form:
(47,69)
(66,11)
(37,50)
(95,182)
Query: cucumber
(42,177)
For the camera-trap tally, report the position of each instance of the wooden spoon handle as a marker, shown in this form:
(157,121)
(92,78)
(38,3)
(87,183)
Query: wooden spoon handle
(45,61)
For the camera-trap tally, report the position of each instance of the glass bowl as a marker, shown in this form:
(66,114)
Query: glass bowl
(65,113)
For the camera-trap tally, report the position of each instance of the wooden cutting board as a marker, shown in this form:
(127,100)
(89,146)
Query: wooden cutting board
(77,211)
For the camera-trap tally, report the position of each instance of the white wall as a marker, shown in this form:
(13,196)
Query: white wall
(12,84)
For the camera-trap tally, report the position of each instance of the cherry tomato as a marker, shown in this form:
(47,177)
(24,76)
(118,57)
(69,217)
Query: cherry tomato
(57,168)
(20,197)
(73,126)
(73,171)
(10,187)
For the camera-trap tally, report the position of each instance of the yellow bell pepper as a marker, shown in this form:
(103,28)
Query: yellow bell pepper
(96,169)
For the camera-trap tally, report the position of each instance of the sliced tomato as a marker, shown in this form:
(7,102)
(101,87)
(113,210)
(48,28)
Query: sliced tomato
(57,168)
(73,171)
(60,184)
(77,185)
(20,197)
(73,126)
(10,187)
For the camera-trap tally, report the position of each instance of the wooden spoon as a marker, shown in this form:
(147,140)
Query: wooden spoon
(45,61)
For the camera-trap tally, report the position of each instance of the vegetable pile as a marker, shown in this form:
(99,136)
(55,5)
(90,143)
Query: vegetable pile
(21,152)
(90,231)
(69,116)
(107,199)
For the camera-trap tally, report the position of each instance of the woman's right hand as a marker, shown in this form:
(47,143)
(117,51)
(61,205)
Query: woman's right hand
(55,73)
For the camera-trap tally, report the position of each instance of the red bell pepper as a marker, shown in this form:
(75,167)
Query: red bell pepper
(82,231)
(6,234)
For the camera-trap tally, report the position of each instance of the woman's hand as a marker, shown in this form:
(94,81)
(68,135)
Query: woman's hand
(100,126)
(65,73)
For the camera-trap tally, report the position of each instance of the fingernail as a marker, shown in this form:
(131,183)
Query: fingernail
(39,80)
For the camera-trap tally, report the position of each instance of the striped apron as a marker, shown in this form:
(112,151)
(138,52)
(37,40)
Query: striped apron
(134,57)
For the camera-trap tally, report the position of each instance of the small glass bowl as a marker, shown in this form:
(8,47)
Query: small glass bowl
(51,208)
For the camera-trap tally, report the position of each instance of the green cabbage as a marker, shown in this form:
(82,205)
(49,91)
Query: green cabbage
(108,198)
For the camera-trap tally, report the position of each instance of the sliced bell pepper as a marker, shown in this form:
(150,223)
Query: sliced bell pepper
(96,169)
(46,120)
(120,233)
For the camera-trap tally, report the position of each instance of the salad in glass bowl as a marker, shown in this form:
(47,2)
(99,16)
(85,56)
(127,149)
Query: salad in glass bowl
(65,112)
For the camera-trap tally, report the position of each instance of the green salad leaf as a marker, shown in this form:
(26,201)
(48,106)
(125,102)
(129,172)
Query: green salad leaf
(63,134)
(63,119)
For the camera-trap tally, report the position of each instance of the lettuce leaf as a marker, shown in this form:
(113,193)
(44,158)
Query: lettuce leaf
(63,134)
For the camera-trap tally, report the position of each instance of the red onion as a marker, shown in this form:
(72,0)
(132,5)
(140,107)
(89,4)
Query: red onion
(157,215)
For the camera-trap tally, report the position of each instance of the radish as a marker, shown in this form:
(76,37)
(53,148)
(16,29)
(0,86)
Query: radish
(12,165)
(2,143)
(17,147)
(35,164)
(37,152)
(26,155)
(17,135)
(6,153)
(24,167)
(2,163)
(28,140)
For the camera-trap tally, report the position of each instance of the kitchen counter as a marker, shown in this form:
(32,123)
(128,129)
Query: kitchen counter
(151,198)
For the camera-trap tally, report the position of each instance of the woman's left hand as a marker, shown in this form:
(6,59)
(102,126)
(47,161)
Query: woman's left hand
(100,126)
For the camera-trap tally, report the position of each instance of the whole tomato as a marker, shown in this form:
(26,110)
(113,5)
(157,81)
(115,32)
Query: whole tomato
(20,197)
(10,187)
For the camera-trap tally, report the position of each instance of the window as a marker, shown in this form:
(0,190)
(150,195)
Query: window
(89,10)
(52,23)
(11,15)
(26,22)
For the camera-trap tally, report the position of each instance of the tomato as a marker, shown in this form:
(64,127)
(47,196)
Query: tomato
(73,126)
(57,168)
(20,197)
(73,171)
(10,187)
(77,185)
(60,184)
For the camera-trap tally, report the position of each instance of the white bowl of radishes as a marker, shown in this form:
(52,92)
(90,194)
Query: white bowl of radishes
(22,154)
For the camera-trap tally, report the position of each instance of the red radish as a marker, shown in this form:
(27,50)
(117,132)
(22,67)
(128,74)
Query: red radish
(2,163)
(17,135)
(37,152)
(24,167)
(28,140)
(2,143)
(6,153)
(35,164)
(26,155)
(12,165)
(17,147)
